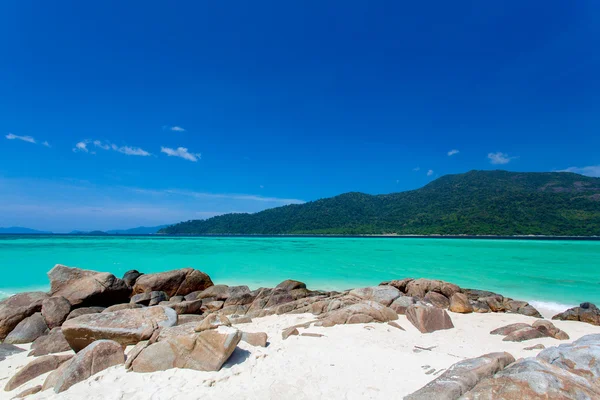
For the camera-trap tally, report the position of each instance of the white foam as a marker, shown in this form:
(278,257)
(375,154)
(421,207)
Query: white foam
(550,308)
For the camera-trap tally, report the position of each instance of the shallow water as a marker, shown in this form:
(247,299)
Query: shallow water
(564,272)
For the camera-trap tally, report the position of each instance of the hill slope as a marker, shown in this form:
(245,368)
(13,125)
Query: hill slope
(476,203)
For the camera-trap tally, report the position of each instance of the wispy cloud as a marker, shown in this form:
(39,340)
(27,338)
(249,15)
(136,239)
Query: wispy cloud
(81,147)
(174,128)
(499,158)
(453,152)
(181,152)
(417,169)
(28,139)
(231,196)
(128,150)
(99,144)
(430,172)
(591,170)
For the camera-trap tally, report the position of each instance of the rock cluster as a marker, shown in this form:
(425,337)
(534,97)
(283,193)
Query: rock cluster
(586,312)
(520,332)
(569,371)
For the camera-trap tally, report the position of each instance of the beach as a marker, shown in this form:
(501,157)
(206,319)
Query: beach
(362,361)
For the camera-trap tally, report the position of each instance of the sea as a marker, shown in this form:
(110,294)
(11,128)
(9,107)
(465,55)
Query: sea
(553,274)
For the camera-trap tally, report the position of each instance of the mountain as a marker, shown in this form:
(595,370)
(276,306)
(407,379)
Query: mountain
(473,203)
(90,233)
(140,230)
(17,230)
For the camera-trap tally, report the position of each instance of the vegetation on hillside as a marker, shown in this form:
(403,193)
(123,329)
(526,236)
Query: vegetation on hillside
(474,203)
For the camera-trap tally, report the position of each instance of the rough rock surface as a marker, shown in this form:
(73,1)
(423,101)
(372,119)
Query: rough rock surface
(174,283)
(8,350)
(53,342)
(78,312)
(428,319)
(28,330)
(29,392)
(569,371)
(363,312)
(586,312)
(18,307)
(184,307)
(381,294)
(459,303)
(97,357)
(119,307)
(219,292)
(402,303)
(212,321)
(130,277)
(508,329)
(462,377)
(437,299)
(87,288)
(548,329)
(420,287)
(55,311)
(205,351)
(34,369)
(125,327)
(255,338)
(523,334)
(149,298)
(291,284)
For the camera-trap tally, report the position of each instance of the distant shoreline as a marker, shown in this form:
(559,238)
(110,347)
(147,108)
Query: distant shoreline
(382,236)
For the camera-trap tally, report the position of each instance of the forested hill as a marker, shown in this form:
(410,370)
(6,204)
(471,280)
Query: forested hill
(474,203)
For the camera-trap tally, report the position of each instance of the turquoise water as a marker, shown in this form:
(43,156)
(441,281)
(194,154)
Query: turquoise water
(566,272)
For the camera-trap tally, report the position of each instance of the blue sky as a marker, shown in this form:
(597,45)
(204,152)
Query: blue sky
(117,114)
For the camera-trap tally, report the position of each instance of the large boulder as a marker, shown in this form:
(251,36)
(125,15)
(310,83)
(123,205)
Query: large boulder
(521,307)
(174,283)
(381,294)
(219,292)
(18,307)
(459,303)
(402,303)
(523,334)
(125,327)
(87,288)
(36,368)
(359,313)
(420,287)
(149,298)
(437,300)
(78,312)
(550,330)
(569,371)
(428,319)
(399,284)
(212,321)
(290,284)
(508,329)
(53,342)
(184,307)
(97,357)
(55,311)
(130,277)
(28,330)
(462,377)
(586,312)
(205,351)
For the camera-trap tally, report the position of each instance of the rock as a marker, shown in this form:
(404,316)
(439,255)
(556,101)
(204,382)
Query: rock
(34,369)
(398,284)
(240,320)
(363,312)
(55,311)
(174,283)
(187,318)
(420,287)
(85,311)
(381,294)
(291,331)
(428,319)
(53,342)
(204,351)
(96,357)
(290,285)
(149,298)
(130,277)
(548,329)
(402,303)
(495,303)
(257,339)
(185,307)
(212,306)
(508,329)
(29,392)
(311,334)
(173,332)
(7,350)
(87,288)
(459,303)
(28,330)
(535,347)
(569,371)
(524,334)
(125,327)
(124,306)
(219,292)
(480,307)
(18,307)
(438,300)
(177,299)
(213,321)
(136,351)
(521,307)
(395,325)
(586,312)
(462,377)
(240,299)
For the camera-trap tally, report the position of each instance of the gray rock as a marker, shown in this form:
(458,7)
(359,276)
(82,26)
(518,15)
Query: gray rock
(381,294)
(428,319)
(7,350)
(359,313)
(586,312)
(130,277)
(402,303)
(84,311)
(28,330)
(508,329)
(437,299)
(18,307)
(257,339)
(149,298)
(524,334)
(291,285)
(119,307)
(53,342)
(34,369)
(179,282)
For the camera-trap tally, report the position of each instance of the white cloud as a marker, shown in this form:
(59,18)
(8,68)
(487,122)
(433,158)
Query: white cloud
(99,144)
(499,158)
(181,152)
(46,144)
(430,172)
(453,152)
(416,169)
(29,139)
(81,146)
(177,129)
(592,170)
(231,196)
(131,151)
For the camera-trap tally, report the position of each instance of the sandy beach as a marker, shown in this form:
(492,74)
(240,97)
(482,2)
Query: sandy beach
(358,361)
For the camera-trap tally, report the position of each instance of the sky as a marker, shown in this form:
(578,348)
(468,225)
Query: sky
(119,114)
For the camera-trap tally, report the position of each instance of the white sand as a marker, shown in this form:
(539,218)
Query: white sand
(364,361)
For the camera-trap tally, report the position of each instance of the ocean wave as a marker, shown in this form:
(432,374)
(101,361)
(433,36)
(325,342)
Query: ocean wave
(551,307)
(4,294)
